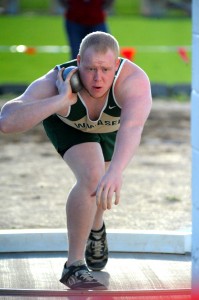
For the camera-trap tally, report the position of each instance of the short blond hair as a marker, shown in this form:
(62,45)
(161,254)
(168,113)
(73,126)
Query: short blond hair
(100,41)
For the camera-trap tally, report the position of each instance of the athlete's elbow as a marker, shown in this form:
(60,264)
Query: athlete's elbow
(5,126)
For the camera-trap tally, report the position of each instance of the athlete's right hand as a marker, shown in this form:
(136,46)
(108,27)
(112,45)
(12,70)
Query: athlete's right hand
(64,88)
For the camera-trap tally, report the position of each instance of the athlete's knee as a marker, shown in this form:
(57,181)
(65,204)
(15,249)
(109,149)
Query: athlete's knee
(93,176)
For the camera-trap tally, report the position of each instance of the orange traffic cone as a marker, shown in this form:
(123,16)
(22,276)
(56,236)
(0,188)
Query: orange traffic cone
(183,54)
(128,52)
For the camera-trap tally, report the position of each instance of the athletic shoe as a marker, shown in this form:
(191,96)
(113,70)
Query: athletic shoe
(78,277)
(97,250)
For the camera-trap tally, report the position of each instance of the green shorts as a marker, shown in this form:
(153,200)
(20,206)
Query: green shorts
(63,137)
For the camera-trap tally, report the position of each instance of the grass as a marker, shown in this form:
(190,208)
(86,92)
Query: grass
(134,31)
(166,67)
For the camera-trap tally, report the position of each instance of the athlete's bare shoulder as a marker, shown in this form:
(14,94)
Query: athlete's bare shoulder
(131,71)
(132,83)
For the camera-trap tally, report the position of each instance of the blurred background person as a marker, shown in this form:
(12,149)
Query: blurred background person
(82,17)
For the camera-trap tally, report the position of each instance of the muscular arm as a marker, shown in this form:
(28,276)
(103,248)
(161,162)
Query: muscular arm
(135,111)
(135,99)
(40,100)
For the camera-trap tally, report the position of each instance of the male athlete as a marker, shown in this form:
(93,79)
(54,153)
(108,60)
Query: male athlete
(97,132)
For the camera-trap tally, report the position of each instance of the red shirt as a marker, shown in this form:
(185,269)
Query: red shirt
(86,12)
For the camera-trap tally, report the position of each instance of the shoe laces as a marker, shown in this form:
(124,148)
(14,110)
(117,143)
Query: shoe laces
(97,247)
(84,275)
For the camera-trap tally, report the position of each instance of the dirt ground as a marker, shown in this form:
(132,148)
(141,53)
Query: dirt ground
(156,193)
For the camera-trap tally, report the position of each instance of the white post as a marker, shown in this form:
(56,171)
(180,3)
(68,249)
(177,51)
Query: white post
(195,147)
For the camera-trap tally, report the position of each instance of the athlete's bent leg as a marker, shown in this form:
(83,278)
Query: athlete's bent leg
(87,163)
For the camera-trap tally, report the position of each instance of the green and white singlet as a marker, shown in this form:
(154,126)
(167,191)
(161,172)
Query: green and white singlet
(76,127)
(109,119)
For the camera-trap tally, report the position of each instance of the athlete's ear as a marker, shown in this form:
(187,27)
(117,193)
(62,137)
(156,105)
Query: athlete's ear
(78,60)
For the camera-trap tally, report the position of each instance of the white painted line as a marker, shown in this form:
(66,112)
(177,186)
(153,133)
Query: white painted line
(65,48)
(119,241)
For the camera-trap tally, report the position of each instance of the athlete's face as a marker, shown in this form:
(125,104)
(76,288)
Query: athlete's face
(97,71)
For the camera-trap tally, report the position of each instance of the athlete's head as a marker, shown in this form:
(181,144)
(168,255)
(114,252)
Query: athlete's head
(97,62)
(100,42)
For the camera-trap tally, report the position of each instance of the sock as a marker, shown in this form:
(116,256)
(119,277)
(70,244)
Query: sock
(76,263)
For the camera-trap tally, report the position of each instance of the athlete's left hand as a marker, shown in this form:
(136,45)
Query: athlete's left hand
(109,185)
